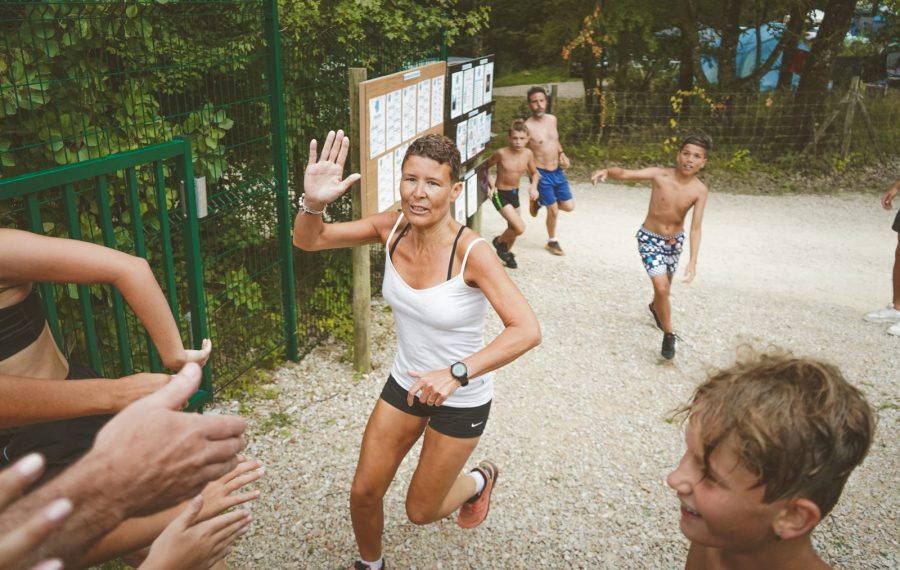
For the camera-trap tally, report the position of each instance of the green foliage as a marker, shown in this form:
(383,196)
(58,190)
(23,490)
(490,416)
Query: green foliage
(740,162)
(536,76)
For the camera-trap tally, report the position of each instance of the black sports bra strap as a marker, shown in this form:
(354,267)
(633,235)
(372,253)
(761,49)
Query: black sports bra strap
(453,252)
(396,241)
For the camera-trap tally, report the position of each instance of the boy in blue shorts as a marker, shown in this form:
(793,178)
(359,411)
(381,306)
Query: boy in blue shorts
(550,160)
(771,441)
(512,162)
(674,192)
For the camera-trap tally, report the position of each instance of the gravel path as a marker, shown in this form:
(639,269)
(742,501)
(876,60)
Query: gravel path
(579,424)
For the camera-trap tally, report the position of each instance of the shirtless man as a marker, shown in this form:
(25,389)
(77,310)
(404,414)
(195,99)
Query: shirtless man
(551,160)
(512,162)
(660,239)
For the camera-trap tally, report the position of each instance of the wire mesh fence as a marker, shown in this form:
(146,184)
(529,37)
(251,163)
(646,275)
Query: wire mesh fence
(748,126)
(83,80)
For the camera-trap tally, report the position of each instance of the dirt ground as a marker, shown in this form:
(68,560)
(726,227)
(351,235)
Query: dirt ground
(580,425)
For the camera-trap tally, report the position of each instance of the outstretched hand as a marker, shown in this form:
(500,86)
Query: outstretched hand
(17,544)
(689,274)
(600,175)
(323,183)
(199,356)
(888,199)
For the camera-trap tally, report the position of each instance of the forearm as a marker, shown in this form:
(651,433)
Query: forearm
(307,229)
(97,509)
(695,245)
(513,342)
(26,401)
(141,291)
(130,536)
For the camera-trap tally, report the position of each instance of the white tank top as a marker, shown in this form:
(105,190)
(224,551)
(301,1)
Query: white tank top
(436,327)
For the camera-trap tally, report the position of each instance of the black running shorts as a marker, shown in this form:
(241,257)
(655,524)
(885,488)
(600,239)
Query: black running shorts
(896,226)
(506,197)
(455,422)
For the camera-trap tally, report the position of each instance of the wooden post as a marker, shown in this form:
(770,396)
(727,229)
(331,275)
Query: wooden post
(852,99)
(554,91)
(362,286)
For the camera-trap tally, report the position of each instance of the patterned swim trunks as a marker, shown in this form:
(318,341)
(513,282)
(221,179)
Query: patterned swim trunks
(659,253)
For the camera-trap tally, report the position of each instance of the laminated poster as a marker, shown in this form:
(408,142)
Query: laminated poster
(459,208)
(474,133)
(376,126)
(486,133)
(468,85)
(423,116)
(409,112)
(472,193)
(385,181)
(394,112)
(489,82)
(478,88)
(437,101)
(461,137)
(456,85)
(398,171)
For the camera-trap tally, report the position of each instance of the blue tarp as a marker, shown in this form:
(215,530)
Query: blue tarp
(746,54)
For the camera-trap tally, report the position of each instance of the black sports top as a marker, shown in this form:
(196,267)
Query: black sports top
(21,324)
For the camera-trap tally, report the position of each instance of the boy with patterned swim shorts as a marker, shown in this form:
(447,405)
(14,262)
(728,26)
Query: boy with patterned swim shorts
(754,486)
(512,162)
(674,192)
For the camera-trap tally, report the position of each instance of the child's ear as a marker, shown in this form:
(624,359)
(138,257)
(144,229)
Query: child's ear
(797,518)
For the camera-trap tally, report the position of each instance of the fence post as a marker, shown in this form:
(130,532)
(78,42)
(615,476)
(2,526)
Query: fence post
(852,100)
(279,166)
(194,268)
(362,276)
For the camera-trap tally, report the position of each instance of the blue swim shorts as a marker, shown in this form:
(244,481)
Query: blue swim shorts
(659,253)
(553,187)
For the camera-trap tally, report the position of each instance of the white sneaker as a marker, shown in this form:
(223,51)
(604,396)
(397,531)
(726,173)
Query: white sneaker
(886,315)
(894,329)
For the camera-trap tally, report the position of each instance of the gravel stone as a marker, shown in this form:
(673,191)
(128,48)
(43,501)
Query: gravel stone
(580,425)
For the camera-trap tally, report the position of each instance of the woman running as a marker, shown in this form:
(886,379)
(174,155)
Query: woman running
(439,279)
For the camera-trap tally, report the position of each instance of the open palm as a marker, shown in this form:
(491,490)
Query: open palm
(323,182)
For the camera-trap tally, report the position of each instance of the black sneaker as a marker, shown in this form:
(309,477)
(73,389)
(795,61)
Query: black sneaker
(655,316)
(502,249)
(668,346)
(511,260)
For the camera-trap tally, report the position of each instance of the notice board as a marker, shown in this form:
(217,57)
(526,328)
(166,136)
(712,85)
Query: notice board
(396,109)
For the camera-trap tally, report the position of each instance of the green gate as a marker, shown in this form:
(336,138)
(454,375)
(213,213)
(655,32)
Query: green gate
(108,200)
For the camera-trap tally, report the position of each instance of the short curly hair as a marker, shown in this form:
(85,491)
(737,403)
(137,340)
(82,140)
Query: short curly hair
(438,148)
(795,422)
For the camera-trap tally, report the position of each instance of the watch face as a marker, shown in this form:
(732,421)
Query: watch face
(458,370)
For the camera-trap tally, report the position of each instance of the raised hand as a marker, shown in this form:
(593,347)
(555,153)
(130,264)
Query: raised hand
(323,182)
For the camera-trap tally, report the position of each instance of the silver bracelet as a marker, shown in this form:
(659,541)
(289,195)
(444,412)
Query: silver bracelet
(307,210)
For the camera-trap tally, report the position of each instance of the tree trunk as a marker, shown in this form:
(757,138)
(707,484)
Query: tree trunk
(795,27)
(817,72)
(731,33)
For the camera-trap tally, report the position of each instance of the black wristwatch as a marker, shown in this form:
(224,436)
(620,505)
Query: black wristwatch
(459,371)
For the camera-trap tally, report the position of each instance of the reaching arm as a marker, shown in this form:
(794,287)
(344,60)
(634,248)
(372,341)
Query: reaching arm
(29,257)
(888,198)
(616,173)
(696,222)
(535,176)
(133,470)
(492,180)
(322,185)
(26,401)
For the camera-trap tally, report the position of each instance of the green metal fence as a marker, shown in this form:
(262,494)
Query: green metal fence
(119,189)
(83,80)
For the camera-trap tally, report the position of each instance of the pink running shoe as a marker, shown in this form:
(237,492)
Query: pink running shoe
(475,510)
